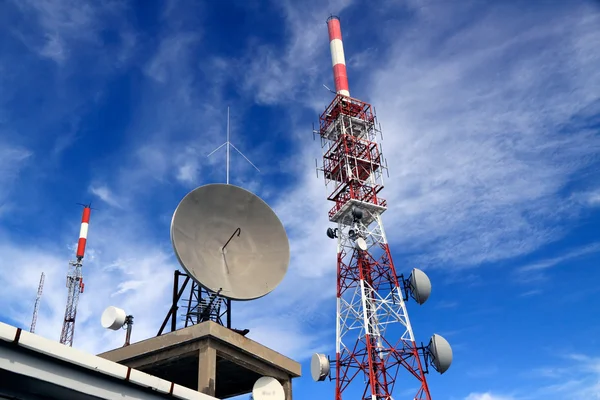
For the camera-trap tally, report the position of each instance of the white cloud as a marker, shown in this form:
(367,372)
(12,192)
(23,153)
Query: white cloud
(593,198)
(473,136)
(105,194)
(476,167)
(569,255)
(275,75)
(65,24)
(187,164)
(12,160)
(287,336)
(163,67)
(580,381)
(487,396)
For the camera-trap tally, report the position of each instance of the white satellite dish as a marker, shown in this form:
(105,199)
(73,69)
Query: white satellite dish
(319,367)
(441,353)
(229,240)
(361,244)
(420,285)
(113,318)
(267,388)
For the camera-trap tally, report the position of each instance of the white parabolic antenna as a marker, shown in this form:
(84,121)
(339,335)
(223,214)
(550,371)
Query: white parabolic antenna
(267,388)
(361,244)
(420,285)
(441,353)
(227,238)
(113,318)
(319,367)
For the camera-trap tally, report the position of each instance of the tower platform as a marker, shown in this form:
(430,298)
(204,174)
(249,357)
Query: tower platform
(209,358)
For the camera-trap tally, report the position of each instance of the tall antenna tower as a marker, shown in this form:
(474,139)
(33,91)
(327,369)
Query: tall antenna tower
(75,281)
(373,331)
(37,304)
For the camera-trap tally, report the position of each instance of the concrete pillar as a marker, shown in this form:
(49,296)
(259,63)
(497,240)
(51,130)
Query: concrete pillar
(287,389)
(207,369)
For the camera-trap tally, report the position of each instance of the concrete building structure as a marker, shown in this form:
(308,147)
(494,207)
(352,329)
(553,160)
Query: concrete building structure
(36,368)
(209,358)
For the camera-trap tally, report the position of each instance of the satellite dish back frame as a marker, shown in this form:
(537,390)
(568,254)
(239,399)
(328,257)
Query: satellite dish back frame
(223,319)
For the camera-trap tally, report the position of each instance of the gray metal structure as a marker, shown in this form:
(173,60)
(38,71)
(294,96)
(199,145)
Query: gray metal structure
(230,241)
(36,306)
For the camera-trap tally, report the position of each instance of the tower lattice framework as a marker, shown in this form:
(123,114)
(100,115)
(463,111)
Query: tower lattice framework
(374,337)
(75,283)
(36,306)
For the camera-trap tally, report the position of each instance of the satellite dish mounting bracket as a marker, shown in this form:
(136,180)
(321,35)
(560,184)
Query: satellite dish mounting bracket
(222,318)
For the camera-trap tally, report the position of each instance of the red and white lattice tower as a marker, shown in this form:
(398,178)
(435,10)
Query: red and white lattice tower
(75,281)
(374,337)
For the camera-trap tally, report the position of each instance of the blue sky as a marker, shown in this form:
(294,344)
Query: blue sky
(490,113)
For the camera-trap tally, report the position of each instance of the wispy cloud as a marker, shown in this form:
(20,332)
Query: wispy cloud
(105,194)
(482,125)
(593,197)
(531,293)
(277,75)
(567,256)
(66,25)
(479,145)
(581,380)
(447,304)
(12,160)
(487,396)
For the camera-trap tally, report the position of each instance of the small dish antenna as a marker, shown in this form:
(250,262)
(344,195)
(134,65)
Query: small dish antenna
(230,241)
(420,286)
(319,367)
(114,318)
(440,353)
(360,244)
(267,388)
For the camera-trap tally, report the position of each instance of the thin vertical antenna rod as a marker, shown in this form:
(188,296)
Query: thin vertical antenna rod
(37,304)
(228,143)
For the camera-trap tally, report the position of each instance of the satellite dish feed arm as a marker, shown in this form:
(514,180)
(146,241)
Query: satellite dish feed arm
(238,231)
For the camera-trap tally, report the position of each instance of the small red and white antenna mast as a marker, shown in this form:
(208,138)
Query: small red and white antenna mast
(374,336)
(37,304)
(75,281)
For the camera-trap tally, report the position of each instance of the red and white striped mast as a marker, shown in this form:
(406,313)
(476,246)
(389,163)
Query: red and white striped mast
(338,61)
(374,336)
(75,281)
